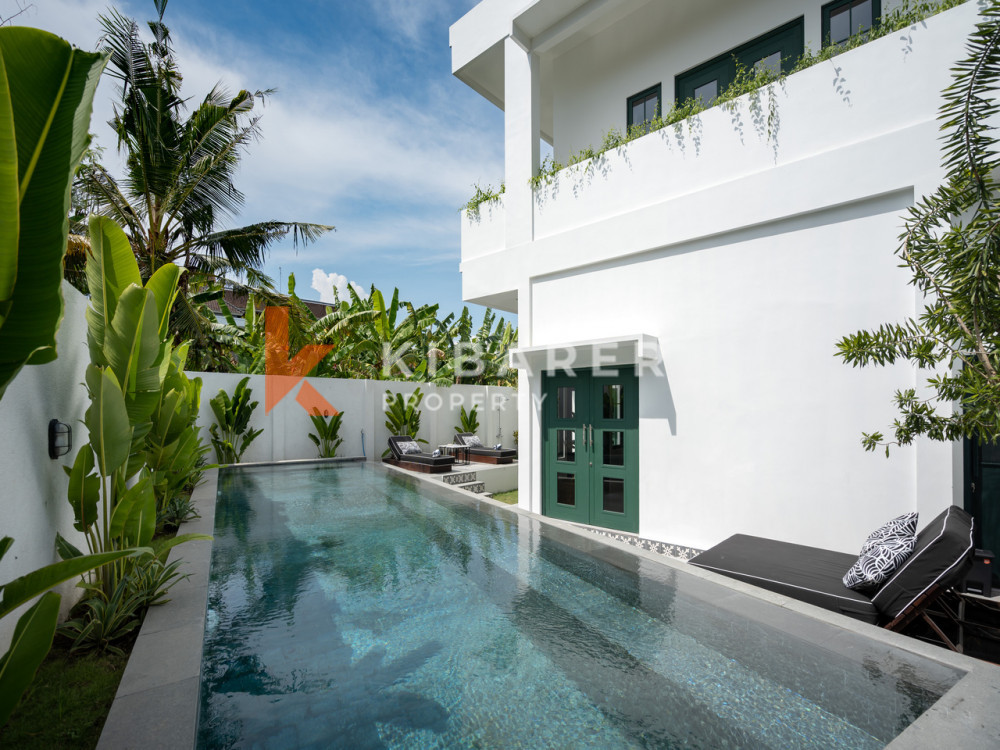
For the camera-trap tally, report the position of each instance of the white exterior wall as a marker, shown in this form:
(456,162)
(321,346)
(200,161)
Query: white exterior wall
(748,255)
(33,493)
(287,426)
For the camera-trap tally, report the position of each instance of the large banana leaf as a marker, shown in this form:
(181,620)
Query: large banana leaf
(84,489)
(134,517)
(111,268)
(31,642)
(47,90)
(133,350)
(107,420)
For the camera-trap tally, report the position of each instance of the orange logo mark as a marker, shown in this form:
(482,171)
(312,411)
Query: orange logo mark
(283,374)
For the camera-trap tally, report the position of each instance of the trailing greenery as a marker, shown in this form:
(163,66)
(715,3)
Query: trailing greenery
(402,417)
(233,429)
(487,195)
(469,421)
(327,437)
(747,81)
(951,246)
(46,96)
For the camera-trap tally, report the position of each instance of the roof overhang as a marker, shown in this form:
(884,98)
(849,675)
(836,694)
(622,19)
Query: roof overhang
(607,353)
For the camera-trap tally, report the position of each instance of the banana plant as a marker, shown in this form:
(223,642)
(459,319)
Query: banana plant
(36,627)
(46,97)
(233,416)
(469,421)
(327,437)
(402,417)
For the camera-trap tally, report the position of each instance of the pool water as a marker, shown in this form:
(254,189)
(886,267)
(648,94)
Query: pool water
(348,609)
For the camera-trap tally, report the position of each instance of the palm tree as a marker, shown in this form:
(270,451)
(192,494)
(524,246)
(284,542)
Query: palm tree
(178,184)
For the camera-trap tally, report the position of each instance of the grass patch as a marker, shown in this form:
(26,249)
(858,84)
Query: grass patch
(66,705)
(507,497)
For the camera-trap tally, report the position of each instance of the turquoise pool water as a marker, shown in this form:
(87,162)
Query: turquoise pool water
(347,609)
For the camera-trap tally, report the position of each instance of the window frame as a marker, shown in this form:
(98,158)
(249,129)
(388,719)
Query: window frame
(644,94)
(827,10)
(723,67)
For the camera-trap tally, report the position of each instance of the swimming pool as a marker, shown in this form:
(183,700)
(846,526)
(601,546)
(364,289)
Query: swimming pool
(347,608)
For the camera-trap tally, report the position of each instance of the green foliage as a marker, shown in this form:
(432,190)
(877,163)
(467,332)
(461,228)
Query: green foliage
(179,187)
(951,246)
(327,437)
(35,628)
(487,195)
(469,421)
(46,96)
(233,429)
(747,81)
(402,417)
(105,618)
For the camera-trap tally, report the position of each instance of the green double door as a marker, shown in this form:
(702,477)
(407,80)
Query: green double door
(591,448)
(982,492)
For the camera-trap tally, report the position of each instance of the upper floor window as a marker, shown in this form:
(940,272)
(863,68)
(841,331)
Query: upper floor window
(843,19)
(644,106)
(776,50)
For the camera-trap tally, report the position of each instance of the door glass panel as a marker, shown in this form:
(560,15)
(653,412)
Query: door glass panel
(652,105)
(707,92)
(614,495)
(565,445)
(613,401)
(565,489)
(772,62)
(614,448)
(861,17)
(991,452)
(638,113)
(566,402)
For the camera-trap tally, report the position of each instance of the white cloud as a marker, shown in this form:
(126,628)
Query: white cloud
(324,283)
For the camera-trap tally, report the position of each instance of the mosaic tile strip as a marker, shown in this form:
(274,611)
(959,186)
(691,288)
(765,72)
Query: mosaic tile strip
(675,551)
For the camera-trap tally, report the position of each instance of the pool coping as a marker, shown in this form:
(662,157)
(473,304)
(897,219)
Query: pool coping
(156,705)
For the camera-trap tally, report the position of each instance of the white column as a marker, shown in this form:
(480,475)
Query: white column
(522,130)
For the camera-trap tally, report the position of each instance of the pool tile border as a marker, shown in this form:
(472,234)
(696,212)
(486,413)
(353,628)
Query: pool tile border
(157,701)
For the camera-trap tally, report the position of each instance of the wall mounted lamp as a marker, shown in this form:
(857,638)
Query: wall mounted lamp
(60,438)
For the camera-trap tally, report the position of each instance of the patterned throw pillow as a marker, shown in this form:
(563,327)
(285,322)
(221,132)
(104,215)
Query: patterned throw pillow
(473,441)
(408,446)
(879,562)
(905,525)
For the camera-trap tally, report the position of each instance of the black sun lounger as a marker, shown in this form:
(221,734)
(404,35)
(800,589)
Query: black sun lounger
(422,462)
(485,455)
(940,559)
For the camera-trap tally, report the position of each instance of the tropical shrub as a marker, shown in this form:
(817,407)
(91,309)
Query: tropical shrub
(46,96)
(402,417)
(469,421)
(327,437)
(233,416)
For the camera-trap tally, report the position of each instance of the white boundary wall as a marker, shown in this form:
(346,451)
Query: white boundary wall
(32,485)
(287,426)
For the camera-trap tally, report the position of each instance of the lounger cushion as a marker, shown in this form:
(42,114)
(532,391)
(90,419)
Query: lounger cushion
(904,525)
(805,573)
(473,441)
(502,453)
(408,446)
(881,560)
(942,555)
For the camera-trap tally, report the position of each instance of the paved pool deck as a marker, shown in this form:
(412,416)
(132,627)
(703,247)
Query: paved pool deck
(156,706)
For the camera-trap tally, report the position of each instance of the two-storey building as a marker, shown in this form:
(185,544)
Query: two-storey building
(679,297)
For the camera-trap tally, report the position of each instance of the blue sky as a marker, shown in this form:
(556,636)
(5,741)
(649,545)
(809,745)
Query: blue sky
(368,130)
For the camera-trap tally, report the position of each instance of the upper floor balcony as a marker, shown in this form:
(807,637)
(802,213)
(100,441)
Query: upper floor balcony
(860,125)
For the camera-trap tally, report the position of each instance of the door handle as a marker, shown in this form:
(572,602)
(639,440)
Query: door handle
(591,437)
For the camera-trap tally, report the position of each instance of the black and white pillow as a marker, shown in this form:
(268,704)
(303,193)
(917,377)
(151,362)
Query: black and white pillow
(473,441)
(879,562)
(904,525)
(408,446)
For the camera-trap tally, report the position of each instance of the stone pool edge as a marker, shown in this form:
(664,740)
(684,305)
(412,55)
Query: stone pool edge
(965,717)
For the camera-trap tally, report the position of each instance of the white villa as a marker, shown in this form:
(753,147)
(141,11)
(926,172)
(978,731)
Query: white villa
(711,266)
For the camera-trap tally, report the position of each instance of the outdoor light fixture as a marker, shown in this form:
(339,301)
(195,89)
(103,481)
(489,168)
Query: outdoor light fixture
(60,438)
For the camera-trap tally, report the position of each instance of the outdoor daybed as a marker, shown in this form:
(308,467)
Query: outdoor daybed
(940,559)
(480,453)
(406,454)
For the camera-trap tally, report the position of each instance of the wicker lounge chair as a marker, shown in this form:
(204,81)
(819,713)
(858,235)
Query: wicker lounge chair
(941,558)
(425,463)
(482,454)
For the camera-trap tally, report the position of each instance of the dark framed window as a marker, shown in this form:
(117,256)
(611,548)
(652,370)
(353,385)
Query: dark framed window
(778,50)
(644,106)
(842,19)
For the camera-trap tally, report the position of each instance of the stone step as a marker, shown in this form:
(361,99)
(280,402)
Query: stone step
(459,477)
(476,487)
